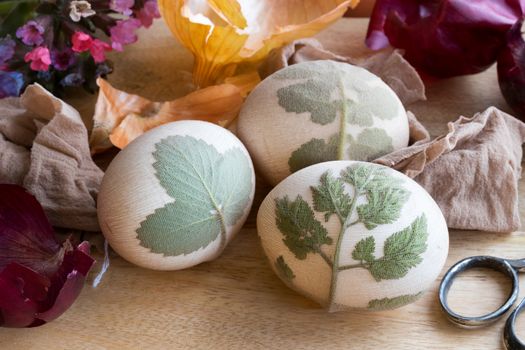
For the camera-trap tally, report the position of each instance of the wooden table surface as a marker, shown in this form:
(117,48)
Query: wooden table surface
(236,302)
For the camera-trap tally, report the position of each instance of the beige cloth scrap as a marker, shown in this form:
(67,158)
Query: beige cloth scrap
(388,65)
(472,172)
(44,147)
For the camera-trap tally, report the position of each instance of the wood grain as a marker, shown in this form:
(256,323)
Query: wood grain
(236,302)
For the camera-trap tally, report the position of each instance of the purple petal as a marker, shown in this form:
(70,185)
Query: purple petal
(11,84)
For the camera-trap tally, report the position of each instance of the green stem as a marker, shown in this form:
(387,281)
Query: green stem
(325,257)
(355,266)
(344,227)
(342,127)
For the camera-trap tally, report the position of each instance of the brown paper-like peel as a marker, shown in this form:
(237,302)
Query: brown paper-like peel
(121,117)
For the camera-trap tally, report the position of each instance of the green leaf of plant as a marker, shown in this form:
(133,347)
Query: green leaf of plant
(402,251)
(383,207)
(302,232)
(312,96)
(313,152)
(358,175)
(393,303)
(283,269)
(364,250)
(370,144)
(366,178)
(330,197)
(363,111)
(211,190)
(315,94)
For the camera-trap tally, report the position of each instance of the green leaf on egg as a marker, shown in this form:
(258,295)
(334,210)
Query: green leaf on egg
(328,90)
(283,269)
(383,207)
(370,144)
(303,233)
(402,251)
(313,152)
(330,197)
(210,190)
(364,250)
(393,303)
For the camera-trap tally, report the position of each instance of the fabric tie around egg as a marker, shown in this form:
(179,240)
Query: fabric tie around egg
(353,235)
(176,195)
(319,111)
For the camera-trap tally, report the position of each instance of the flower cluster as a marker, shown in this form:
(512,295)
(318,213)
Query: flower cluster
(65,42)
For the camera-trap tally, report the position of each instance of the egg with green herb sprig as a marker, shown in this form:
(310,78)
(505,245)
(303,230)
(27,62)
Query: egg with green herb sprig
(353,235)
(319,111)
(176,195)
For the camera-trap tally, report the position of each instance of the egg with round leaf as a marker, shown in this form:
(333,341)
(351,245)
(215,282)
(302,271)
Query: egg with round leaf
(176,195)
(352,234)
(319,111)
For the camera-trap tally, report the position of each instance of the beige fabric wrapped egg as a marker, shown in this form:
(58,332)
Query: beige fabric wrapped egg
(176,195)
(319,111)
(353,235)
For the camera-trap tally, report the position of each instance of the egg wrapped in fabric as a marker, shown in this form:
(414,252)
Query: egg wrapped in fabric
(352,234)
(319,111)
(176,195)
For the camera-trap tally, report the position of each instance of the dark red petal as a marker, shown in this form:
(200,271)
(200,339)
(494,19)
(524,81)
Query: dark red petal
(445,37)
(26,237)
(511,71)
(21,289)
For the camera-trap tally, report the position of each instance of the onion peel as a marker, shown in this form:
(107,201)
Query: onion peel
(39,277)
(221,34)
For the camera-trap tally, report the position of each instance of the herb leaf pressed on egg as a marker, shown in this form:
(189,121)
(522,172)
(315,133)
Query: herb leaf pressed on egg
(326,92)
(364,250)
(210,192)
(370,144)
(284,270)
(303,234)
(330,197)
(402,251)
(313,152)
(393,303)
(385,197)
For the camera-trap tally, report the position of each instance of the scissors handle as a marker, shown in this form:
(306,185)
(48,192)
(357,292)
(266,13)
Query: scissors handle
(510,339)
(490,262)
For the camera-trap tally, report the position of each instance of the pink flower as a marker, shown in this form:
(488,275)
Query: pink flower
(31,33)
(98,49)
(40,59)
(124,33)
(81,42)
(122,6)
(148,13)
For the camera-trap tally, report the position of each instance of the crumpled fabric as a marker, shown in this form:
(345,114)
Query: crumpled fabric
(44,148)
(390,66)
(472,171)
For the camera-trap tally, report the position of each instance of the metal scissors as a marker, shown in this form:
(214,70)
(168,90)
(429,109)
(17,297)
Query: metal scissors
(508,267)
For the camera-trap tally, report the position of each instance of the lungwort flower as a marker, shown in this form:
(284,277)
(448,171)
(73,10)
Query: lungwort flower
(31,33)
(80,9)
(40,278)
(223,34)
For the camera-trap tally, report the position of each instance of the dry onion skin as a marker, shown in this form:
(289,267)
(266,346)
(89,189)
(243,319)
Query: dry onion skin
(223,34)
(121,117)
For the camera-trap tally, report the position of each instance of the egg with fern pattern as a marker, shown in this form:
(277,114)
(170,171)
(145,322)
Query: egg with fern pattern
(351,234)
